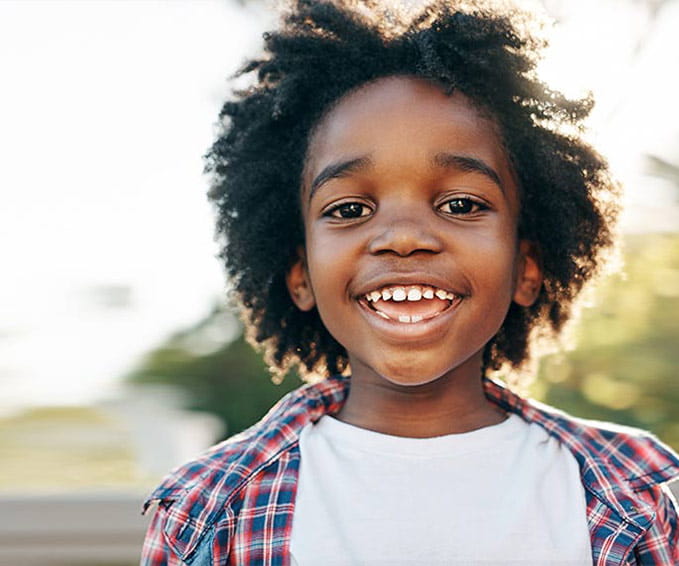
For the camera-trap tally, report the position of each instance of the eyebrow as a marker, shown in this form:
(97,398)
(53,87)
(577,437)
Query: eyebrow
(441,159)
(468,164)
(339,169)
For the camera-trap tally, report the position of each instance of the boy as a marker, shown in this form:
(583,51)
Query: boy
(404,213)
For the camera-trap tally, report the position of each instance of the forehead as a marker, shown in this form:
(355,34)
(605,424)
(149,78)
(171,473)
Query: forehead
(408,115)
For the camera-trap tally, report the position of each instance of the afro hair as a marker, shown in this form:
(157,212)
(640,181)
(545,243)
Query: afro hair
(325,49)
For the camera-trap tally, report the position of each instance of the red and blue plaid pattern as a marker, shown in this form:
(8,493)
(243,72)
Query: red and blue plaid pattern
(235,504)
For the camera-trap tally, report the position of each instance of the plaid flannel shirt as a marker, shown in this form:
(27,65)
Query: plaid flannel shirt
(235,504)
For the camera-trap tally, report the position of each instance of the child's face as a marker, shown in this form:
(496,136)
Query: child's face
(408,191)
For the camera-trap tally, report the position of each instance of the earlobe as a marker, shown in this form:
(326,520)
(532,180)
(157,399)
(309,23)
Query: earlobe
(528,274)
(299,287)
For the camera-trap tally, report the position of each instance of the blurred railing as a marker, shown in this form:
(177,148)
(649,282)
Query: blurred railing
(71,530)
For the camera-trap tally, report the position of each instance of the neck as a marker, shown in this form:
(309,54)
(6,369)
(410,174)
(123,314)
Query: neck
(452,403)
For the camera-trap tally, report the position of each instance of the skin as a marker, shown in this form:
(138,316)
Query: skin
(404,184)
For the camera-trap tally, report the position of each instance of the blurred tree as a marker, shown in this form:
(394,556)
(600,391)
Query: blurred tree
(624,368)
(218,370)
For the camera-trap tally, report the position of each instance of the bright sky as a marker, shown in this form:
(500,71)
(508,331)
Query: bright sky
(629,61)
(106,108)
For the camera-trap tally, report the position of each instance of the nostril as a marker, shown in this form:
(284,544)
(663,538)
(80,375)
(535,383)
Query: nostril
(404,239)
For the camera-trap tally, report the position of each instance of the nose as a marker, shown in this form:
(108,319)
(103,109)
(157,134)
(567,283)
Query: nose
(405,236)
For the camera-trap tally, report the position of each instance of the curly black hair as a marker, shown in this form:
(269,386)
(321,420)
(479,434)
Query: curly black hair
(325,49)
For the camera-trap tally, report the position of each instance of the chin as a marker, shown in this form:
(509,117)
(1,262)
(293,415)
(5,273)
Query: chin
(409,376)
(412,383)
(407,371)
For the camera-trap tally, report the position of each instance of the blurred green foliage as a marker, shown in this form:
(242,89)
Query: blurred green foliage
(624,368)
(229,379)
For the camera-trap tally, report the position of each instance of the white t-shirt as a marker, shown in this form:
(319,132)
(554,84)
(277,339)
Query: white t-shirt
(503,494)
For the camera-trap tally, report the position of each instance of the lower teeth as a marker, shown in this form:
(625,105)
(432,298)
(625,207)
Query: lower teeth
(403,317)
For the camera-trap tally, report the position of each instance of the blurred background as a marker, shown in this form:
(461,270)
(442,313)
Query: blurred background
(118,356)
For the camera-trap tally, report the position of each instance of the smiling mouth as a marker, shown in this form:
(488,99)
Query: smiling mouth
(409,304)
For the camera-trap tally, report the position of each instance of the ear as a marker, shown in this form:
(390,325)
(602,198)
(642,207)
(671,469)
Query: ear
(299,286)
(528,274)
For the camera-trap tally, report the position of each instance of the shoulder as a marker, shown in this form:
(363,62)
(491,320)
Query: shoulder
(200,494)
(633,455)
(637,456)
(204,492)
(231,462)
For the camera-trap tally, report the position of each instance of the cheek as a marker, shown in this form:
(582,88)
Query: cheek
(493,252)
(330,251)
(332,266)
(493,282)
(326,269)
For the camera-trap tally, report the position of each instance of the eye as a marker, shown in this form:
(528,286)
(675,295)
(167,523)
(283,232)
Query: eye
(462,206)
(348,210)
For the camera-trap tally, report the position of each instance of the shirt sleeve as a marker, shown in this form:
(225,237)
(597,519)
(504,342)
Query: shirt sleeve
(669,511)
(660,545)
(156,551)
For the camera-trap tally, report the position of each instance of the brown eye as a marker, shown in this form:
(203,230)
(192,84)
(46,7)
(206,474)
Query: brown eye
(349,210)
(462,205)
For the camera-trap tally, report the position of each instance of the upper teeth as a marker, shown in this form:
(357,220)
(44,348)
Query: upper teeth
(410,293)
(399,294)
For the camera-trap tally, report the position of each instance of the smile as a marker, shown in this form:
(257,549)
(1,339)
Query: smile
(409,304)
